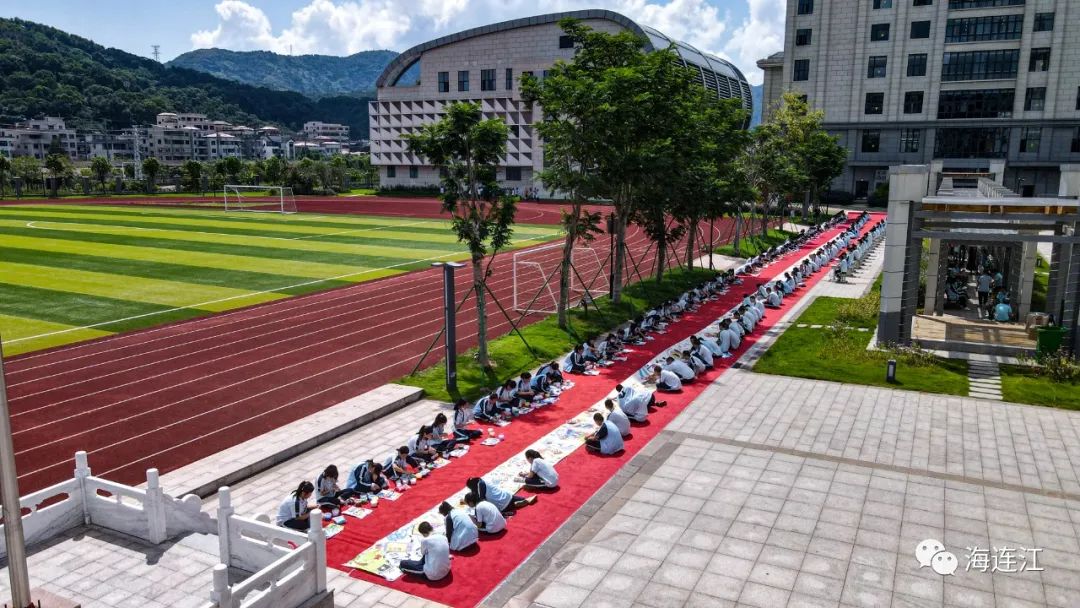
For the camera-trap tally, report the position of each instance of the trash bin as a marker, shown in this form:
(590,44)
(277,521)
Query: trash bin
(1049,340)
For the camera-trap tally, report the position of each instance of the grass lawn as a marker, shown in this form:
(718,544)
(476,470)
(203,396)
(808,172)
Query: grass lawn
(74,272)
(840,355)
(754,244)
(1022,385)
(511,357)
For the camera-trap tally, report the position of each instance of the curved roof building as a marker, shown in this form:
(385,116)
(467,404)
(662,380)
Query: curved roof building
(485,64)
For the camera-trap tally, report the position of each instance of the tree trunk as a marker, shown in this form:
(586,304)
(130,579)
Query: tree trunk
(690,241)
(661,258)
(564,274)
(765,214)
(806,205)
(738,233)
(481,313)
(618,262)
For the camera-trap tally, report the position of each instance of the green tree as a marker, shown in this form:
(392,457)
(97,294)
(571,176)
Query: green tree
(467,149)
(151,167)
(824,159)
(5,171)
(101,168)
(192,172)
(28,169)
(274,170)
(59,167)
(231,166)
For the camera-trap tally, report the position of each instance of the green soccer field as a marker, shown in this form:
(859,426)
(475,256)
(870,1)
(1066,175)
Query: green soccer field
(71,272)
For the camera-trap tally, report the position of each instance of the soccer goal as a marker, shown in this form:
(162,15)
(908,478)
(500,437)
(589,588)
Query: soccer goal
(265,199)
(536,277)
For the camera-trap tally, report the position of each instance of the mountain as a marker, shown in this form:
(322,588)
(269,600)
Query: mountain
(312,75)
(45,71)
(757,91)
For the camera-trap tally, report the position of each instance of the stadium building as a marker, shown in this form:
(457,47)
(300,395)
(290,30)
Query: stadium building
(485,65)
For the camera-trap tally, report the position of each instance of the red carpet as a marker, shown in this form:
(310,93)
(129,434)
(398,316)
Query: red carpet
(475,574)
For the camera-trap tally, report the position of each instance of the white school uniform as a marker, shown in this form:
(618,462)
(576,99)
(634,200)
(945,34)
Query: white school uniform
(704,353)
(670,379)
(681,369)
(436,551)
(291,508)
(634,403)
(612,441)
(545,472)
(619,419)
(489,518)
(465,533)
(774,299)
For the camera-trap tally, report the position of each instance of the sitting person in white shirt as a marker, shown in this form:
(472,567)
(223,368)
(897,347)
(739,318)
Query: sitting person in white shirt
(681,369)
(772,299)
(617,417)
(460,529)
(666,381)
(434,562)
(635,402)
(606,440)
(486,516)
(295,510)
(540,474)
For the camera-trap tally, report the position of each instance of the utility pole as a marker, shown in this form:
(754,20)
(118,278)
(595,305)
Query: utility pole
(18,574)
(450,322)
(157,52)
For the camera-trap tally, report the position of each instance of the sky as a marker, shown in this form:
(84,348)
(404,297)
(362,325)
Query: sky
(742,31)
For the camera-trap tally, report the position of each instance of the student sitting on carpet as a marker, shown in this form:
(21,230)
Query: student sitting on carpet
(366,478)
(772,298)
(680,368)
(523,390)
(486,516)
(617,417)
(540,473)
(295,510)
(575,362)
(606,440)
(666,381)
(688,359)
(460,529)
(462,417)
(442,441)
(420,445)
(506,398)
(485,409)
(434,562)
(551,372)
(702,351)
(503,500)
(327,491)
(396,466)
(635,402)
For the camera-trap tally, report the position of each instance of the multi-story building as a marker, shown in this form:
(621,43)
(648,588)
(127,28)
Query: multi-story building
(963,85)
(7,142)
(36,137)
(485,65)
(332,130)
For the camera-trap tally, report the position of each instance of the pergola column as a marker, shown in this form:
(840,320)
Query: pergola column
(933,279)
(1027,278)
(907,186)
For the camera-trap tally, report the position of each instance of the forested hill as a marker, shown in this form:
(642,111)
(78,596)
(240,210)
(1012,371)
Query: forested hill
(312,75)
(45,71)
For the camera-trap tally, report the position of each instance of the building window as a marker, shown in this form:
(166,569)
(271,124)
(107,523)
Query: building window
(1044,22)
(1040,60)
(513,174)
(876,66)
(801,70)
(871,141)
(882,3)
(391,171)
(920,29)
(806,7)
(1035,100)
(566,42)
(509,79)
(910,140)
(1078,98)
(414,172)
(879,32)
(463,80)
(515,131)
(1030,138)
(980,29)
(802,37)
(1076,140)
(444,82)
(916,64)
(980,103)
(922,3)
(913,102)
(487,80)
(875,103)
(980,65)
(972,142)
(955,4)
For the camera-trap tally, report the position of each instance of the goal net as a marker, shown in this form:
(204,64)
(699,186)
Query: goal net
(537,271)
(266,199)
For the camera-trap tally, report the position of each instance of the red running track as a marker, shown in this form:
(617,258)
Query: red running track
(167,396)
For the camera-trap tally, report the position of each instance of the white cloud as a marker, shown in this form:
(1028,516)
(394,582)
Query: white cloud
(340,27)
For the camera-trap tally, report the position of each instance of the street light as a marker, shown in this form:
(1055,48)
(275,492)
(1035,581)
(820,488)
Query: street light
(450,321)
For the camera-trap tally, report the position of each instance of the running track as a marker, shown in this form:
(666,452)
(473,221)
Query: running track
(167,396)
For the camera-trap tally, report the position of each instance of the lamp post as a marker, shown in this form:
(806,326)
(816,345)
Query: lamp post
(450,321)
(19,576)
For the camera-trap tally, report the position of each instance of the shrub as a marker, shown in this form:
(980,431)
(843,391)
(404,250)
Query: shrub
(1059,366)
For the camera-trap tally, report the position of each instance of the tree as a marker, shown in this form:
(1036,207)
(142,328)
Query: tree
(274,170)
(59,166)
(101,168)
(192,172)
(27,168)
(5,170)
(231,166)
(467,149)
(150,168)
(824,159)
